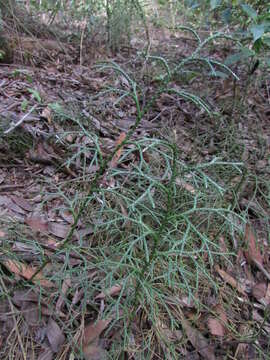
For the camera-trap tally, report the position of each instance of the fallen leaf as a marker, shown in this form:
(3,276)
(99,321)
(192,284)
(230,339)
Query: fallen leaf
(215,326)
(95,352)
(253,253)
(114,290)
(27,249)
(127,223)
(2,176)
(259,290)
(67,216)
(267,294)
(222,245)
(77,296)
(59,230)
(47,354)
(166,333)
(47,114)
(82,233)
(93,331)
(242,352)
(3,200)
(119,151)
(186,301)
(185,185)
(21,296)
(31,313)
(55,336)
(230,280)
(198,341)
(65,286)
(69,138)
(26,272)
(261,319)
(11,205)
(37,224)
(4,310)
(90,345)
(20,201)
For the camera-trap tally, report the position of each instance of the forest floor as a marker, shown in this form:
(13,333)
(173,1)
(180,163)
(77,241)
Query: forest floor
(169,255)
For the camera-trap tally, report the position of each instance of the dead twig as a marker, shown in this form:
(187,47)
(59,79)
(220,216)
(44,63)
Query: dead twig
(14,126)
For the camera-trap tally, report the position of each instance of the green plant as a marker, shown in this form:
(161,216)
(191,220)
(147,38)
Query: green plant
(121,15)
(255,24)
(153,228)
(35,94)
(258,26)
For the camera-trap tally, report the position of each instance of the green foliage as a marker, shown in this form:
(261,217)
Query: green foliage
(251,17)
(118,15)
(35,94)
(174,213)
(121,15)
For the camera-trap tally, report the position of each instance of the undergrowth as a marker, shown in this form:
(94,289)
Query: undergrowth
(156,233)
(156,226)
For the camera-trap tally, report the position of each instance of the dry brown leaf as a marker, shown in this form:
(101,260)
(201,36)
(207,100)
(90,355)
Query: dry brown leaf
(77,296)
(47,114)
(230,280)
(95,352)
(242,352)
(221,313)
(11,205)
(67,216)
(26,272)
(222,245)
(259,290)
(261,320)
(65,286)
(90,345)
(186,301)
(167,334)
(94,330)
(2,176)
(59,230)
(21,296)
(267,295)
(31,313)
(216,324)
(20,201)
(253,253)
(198,341)
(119,151)
(127,223)
(37,223)
(216,327)
(185,185)
(55,335)
(82,233)
(114,290)
(47,354)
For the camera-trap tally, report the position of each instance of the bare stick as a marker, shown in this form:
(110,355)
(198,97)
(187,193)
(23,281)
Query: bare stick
(20,121)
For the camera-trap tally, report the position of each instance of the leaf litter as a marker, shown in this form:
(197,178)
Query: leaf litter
(42,309)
